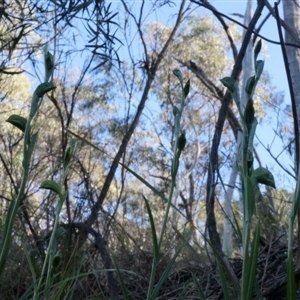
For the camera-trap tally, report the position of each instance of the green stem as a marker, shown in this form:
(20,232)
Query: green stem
(15,204)
(166,214)
(49,255)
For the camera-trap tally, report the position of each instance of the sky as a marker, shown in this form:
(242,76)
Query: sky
(273,64)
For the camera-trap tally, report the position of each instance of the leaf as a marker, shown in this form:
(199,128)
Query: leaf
(44,88)
(252,135)
(121,281)
(233,88)
(186,88)
(164,275)
(181,142)
(29,261)
(250,203)
(198,287)
(178,74)
(153,232)
(59,232)
(229,82)
(18,121)
(264,176)
(223,281)
(252,266)
(257,49)
(249,114)
(30,148)
(56,260)
(52,186)
(250,86)
(69,154)
(259,67)
(184,291)
(6,235)
(146,183)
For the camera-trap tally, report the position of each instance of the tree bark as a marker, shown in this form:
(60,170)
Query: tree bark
(292,18)
(291,12)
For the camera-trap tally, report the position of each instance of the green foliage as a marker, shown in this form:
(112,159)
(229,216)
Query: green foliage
(29,144)
(180,142)
(291,284)
(52,258)
(264,176)
(250,176)
(17,121)
(165,161)
(52,186)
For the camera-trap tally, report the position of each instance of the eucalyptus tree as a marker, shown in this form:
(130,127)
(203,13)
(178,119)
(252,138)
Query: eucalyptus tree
(149,65)
(194,50)
(199,42)
(121,111)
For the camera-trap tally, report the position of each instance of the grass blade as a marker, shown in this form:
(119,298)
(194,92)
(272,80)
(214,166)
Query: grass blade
(183,292)
(121,281)
(165,273)
(198,287)
(153,231)
(155,248)
(152,188)
(33,274)
(223,281)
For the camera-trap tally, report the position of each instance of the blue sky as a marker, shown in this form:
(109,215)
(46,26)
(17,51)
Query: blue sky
(275,66)
(273,63)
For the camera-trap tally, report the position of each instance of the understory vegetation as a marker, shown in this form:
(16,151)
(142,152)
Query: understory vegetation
(136,159)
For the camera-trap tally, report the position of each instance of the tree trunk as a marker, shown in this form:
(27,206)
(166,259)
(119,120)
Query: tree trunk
(291,12)
(292,18)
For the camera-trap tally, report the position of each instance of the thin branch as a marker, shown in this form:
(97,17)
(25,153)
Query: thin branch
(139,28)
(225,26)
(215,90)
(245,27)
(286,27)
(276,160)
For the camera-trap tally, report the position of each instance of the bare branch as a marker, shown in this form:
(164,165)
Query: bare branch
(245,27)
(225,26)
(215,90)
(284,25)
